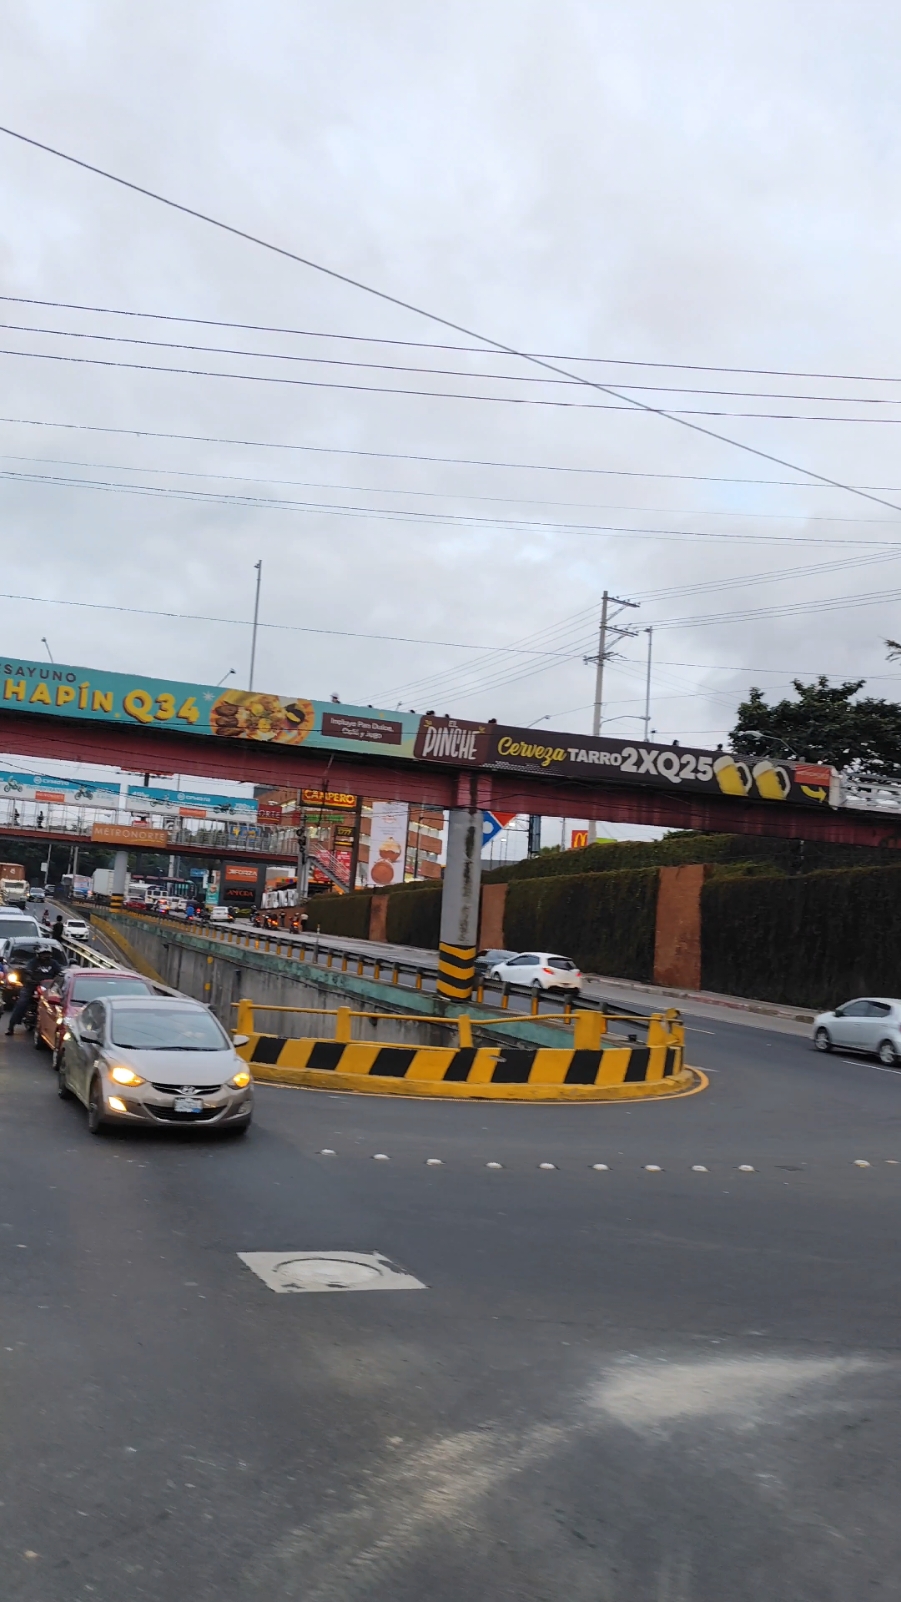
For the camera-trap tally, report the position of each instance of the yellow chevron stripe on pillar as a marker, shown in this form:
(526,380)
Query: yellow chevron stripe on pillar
(456,971)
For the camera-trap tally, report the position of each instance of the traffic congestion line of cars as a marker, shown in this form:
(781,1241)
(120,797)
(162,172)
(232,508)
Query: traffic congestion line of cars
(132,1051)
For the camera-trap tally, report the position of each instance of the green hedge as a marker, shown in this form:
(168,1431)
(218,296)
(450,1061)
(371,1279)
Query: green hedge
(812,940)
(414,917)
(604,921)
(781,856)
(340,915)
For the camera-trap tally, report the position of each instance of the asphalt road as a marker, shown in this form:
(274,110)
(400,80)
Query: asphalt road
(620,1384)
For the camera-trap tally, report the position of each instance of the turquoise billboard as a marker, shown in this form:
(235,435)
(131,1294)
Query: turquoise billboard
(54,690)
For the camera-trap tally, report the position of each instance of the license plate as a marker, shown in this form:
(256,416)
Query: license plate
(188,1104)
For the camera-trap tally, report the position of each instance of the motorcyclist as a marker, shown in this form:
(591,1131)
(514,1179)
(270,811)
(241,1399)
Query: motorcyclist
(43,967)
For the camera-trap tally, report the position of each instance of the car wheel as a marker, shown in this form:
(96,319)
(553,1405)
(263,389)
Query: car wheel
(822,1041)
(62,1089)
(888,1056)
(95,1108)
(40,1043)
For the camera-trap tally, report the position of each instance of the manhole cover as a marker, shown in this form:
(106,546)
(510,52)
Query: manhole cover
(328,1271)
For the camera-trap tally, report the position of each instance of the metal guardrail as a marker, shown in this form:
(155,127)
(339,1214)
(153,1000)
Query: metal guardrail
(590,1027)
(388,970)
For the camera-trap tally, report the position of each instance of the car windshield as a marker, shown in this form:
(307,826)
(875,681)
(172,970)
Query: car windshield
(166,1029)
(90,986)
(21,950)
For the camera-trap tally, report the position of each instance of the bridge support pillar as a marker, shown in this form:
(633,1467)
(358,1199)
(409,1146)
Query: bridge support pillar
(459,933)
(120,873)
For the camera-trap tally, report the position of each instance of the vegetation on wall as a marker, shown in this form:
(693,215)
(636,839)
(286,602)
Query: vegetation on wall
(340,915)
(811,940)
(605,922)
(414,917)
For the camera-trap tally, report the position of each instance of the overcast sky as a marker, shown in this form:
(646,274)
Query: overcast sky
(707,185)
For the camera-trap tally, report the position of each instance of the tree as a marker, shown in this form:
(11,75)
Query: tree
(825,724)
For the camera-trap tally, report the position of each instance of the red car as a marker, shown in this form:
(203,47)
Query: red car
(72,990)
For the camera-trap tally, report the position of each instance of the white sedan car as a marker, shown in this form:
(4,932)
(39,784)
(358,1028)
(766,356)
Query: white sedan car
(540,970)
(75,929)
(870,1024)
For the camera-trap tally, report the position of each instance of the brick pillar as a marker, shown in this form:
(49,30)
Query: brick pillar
(491,919)
(378,918)
(677,938)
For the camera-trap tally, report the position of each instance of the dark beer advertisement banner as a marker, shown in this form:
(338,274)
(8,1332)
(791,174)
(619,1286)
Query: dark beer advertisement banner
(578,756)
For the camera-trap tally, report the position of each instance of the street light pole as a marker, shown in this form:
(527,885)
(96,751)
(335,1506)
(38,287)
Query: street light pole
(256,615)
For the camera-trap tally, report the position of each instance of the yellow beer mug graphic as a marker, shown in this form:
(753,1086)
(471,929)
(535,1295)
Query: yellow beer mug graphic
(772,783)
(732,776)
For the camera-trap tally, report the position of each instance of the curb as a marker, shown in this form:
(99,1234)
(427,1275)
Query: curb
(687,1083)
(493,1073)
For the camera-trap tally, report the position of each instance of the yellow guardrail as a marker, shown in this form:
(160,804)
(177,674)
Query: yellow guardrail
(595,1066)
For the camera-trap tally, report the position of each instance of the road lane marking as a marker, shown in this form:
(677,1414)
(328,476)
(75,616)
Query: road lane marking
(314,1272)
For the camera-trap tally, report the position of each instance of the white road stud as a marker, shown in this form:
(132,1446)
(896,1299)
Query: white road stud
(433,1162)
(300,1272)
(494,1165)
(746,1168)
(327,1152)
(653,1168)
(698,1168)
(547,1165)
(601,1168)
(861,1162)
(380,1157)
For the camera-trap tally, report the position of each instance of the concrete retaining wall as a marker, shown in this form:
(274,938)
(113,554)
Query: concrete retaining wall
(221,974)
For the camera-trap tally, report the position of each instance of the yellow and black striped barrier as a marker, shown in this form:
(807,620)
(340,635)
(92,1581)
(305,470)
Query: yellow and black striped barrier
(588,1070)
(456,971)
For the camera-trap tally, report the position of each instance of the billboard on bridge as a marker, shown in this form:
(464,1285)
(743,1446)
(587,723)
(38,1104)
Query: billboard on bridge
(53,690)
(625,761)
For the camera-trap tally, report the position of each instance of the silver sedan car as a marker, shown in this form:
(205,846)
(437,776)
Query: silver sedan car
(871,1024)
(158,1061)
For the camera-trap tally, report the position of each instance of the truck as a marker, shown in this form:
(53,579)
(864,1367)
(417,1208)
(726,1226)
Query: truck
(13,884)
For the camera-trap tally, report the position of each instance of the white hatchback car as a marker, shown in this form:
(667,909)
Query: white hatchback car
(871,1024)
(540,970)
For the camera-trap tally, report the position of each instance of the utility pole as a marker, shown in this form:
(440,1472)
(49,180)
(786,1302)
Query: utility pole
(647,688)
(256,615)
(604,655)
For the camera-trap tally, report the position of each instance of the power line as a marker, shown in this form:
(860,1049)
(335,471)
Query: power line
(439,495)
(444,322)
(402,514)
(410,456)
(422,344)
(673,414)
(432,372)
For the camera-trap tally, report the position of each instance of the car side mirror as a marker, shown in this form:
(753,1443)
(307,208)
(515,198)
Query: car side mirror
(239,1040)
(91,1035)
(838,1012)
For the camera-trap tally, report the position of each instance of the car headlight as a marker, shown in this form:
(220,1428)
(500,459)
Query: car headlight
(125,1076)
(241,1079)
